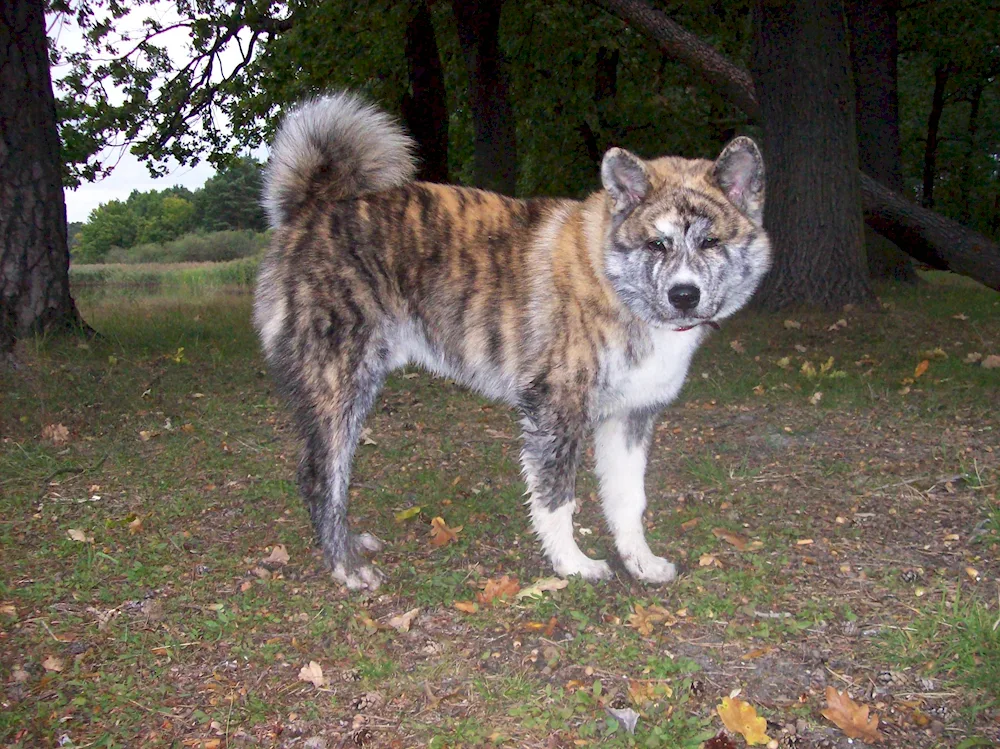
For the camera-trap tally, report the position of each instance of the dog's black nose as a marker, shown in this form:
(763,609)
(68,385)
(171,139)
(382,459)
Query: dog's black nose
(684,296)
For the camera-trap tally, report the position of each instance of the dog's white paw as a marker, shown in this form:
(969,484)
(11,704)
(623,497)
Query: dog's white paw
(585,567)
(650,569)
(361,577)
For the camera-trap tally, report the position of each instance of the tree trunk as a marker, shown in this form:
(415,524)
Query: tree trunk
(941,75)
(425,106)
(478,24)
(888,212)
(813,206)
(874,49)
(34,255)
(965,181)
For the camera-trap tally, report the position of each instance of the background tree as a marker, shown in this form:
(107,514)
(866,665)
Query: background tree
(231,199)
(34,254)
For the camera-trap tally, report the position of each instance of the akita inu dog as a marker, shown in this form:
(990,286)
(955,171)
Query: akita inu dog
(583,315)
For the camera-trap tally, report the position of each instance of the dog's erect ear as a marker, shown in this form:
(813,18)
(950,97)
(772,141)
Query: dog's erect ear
(739,170)
(625,179)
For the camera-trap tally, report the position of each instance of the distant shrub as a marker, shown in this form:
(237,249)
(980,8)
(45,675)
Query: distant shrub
(215,247)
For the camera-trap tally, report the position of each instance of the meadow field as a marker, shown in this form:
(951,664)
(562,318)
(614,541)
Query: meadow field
(827,482)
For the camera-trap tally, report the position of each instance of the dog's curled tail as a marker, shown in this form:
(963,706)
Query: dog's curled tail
(334,148)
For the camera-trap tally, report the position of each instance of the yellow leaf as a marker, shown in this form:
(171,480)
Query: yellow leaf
(441,534)
(741,717)
(467,607)
(921,368)
(409,512)
(784,362)
(850,717)
(540,586)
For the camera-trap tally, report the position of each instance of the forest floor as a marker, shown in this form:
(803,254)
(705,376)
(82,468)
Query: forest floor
(832,501)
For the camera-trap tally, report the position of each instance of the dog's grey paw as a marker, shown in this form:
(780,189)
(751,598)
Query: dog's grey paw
(367,542)
(587,568)
(359,577)
(651,569)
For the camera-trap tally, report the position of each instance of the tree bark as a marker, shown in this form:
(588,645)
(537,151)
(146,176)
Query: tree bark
(34,254)
(478,24)
(813,207)
(965,182)
(941,75)
(425,106)
(874,49)
(886,211)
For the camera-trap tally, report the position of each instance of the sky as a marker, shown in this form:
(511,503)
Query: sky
(129,173)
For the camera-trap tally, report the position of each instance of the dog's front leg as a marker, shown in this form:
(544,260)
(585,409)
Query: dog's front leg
(620,446)
(553,438)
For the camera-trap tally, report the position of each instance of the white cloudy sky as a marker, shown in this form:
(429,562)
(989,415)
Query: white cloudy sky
(129,173)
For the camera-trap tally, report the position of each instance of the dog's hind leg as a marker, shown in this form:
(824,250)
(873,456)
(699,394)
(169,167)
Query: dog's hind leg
(331,421)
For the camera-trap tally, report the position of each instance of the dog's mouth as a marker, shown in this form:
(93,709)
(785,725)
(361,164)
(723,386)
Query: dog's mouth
(709,323)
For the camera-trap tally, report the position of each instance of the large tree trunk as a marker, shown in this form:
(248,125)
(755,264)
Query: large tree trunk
(941,75)
(874,49)
(425,106)
(478,24)
(813,206)
(34,254)
(953,246)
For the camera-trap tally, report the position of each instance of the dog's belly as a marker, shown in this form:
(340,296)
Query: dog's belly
(652,382)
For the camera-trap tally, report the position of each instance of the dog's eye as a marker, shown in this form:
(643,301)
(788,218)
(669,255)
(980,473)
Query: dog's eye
(658,245)
(709,242)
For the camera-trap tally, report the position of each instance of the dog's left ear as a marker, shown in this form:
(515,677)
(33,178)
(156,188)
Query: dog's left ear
(739,170)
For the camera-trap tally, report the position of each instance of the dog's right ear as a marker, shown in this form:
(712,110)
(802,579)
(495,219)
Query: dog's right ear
(624,177)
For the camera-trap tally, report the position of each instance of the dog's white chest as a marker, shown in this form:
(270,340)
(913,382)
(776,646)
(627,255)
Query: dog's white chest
(655,379)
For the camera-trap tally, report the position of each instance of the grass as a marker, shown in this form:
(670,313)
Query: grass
(862,511)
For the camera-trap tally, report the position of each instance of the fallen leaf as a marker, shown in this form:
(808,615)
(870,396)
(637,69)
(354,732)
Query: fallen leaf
(542,585)
(708,560)
(960,316)
(792,325)
(841,323)
(815,398)
(502,590)
(441,534)
(991,362)
(850,717)
(53,664)
(741,717)
(312,673)
(921,368)
(740,542)
(145,435)
(409,512)
(278,556)
(75,534)
(685,527)
(736,346)
(366,437)
(55,433)
(804,542)
(973,357)
(642,619)
(467,607)
(8,609)
(973,573)
(135,526)
(784,362)
(935,353)
(402,622)
(646,691)
(626,716)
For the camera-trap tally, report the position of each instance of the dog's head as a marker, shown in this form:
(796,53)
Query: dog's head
(687,244)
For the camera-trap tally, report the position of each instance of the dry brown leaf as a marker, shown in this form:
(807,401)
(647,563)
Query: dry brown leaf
(921,368)
(467,607)
(815,398)
(135,526)
(740,542)
(278,556)
(313,673)
(502,590)
(991,362)
(708,560)
(441,534)
(741,717)
(8,609)
(642,619)
(685,527)
(645,691)
(402,622)
(53,664)
(737,346)
(75,534)
(542,585)
(973,357)
(55,433)
(792,325)
(850,717)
